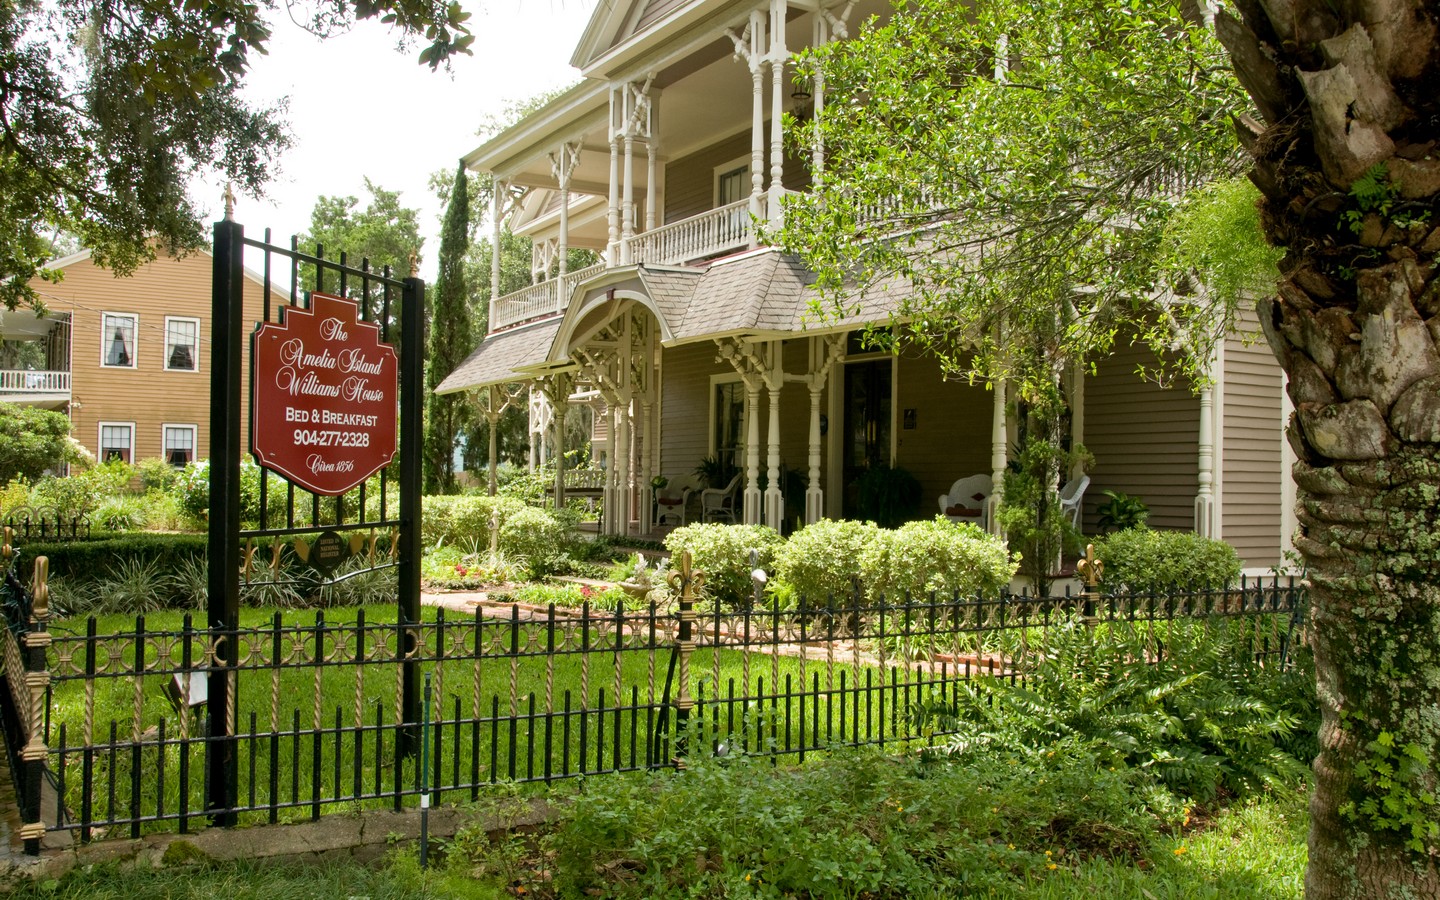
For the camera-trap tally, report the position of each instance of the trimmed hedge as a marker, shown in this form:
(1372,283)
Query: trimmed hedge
(1142,561)
(91,559)
(937,556)
(722,552)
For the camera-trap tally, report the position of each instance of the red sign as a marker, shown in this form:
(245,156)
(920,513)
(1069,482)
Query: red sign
(323,400)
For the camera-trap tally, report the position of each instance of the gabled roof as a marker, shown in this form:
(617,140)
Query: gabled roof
(498,357)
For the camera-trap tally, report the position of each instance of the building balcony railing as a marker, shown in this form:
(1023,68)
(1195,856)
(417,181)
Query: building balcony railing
(721,230)
(31,381)
(535,301)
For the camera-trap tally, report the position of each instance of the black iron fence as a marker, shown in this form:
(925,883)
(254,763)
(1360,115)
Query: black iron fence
(523,694)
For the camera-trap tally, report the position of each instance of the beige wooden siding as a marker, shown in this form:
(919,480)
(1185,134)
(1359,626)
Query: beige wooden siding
(951,438)
(685,397)
(654,11)
(148,395)
(1250,453)
(1144,439)
(690,180)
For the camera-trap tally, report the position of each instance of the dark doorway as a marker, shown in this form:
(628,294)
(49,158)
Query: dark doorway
(868,393)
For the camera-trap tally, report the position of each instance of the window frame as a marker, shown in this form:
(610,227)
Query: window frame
(100,442)
(105,316)
(711,448)
(165,441)
(195,348)
(731,168)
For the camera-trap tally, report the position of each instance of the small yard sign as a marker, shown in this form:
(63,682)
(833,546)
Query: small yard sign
(323,397)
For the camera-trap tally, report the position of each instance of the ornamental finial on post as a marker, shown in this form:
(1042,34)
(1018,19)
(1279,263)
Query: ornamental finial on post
(229,202)
(1091,567)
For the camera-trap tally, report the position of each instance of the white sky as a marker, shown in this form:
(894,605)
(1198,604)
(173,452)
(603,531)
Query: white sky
(428,119)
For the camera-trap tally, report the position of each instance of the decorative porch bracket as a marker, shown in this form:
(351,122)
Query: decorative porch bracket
(557,387)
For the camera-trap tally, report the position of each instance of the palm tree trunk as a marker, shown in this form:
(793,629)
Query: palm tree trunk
(1346,159)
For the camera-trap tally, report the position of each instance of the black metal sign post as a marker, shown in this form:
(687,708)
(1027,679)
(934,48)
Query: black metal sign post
(223,608)
(412,401)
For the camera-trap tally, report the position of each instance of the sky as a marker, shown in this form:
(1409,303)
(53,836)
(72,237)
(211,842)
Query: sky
(417,121)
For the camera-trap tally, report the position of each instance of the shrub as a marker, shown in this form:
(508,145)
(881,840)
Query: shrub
(82,492)
(541,538)
(124,513)
(1141,561)
(15,494)
(821,562)
(90,559)
(722,552)
(192,489)
(940,556)
(463,520)
(156,474)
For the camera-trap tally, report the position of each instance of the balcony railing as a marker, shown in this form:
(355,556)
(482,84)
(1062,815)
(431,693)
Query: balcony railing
(544,299)
(709,234)
(29,381)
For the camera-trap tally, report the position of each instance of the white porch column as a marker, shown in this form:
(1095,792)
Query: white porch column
(998,462)
(612,469)
(612,213)
(778,57)
(497,188)
(647,506)
(774,495)
(623,451)
(562,165)
(1205,495)
(627,203)
(752,454)
(824,354)
(757,120)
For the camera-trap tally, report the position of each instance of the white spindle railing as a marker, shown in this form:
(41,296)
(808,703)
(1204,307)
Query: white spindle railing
(29,381)
(708,234)
(534,301)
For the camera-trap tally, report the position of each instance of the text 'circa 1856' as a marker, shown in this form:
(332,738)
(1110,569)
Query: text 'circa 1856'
(323,400)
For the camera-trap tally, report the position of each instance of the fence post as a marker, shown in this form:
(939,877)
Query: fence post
(37,680)
(686,581)
(1093,568)
(412,402)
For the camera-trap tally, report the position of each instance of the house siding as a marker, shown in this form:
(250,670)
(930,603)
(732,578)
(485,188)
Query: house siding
(685,399)
(690,180)
(148,395)
(951,438)
(1144,439)
(1252,475)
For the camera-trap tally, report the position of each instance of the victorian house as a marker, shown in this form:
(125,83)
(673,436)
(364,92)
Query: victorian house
(695,341)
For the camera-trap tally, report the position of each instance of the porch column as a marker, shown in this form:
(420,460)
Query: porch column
(497,188)
(774,496)
(757,123)
(647,506)
(558,404)
(824,354)
(1077,415)
(1205,495)
(612,213)
(627,204)
(752,453)
(611,492)
(562,164)
(623,451)
(998,446)
(777,70)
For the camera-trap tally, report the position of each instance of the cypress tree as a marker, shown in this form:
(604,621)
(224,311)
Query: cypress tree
(450,336)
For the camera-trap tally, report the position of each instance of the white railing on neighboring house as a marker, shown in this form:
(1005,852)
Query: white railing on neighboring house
(534,301)
(708,234)
(30,381)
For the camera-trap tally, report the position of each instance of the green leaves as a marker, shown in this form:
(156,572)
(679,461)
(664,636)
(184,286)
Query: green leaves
(1016,163)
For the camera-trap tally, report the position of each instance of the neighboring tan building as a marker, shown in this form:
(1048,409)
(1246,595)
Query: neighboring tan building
(128,358)
(697,338)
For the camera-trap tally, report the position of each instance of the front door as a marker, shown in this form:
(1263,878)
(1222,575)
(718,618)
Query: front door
(867,421)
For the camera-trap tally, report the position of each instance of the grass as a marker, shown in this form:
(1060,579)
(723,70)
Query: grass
(509,743)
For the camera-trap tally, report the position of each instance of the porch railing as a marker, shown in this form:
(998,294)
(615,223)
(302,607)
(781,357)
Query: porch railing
(531,694)
(535,301)
(29,381)
(708,234)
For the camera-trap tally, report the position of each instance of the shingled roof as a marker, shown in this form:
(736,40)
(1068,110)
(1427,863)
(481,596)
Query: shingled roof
(500,354)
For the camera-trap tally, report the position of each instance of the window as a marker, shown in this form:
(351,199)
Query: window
(179,444)
(182,344)
(732,186)
(117,339)
(728,436)
(117,441)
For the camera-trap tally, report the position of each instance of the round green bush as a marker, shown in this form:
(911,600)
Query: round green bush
(821,562)
(937,556)
(541,538)
(1142,561)
(722,552)
(463,520)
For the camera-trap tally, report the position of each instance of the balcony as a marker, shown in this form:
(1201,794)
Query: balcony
(31,386)
(718,231)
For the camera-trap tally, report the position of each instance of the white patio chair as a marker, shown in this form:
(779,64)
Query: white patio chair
(719,503)
(1071,496)
(968,500)
(672,500)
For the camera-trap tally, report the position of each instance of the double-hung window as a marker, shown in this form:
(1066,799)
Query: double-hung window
(182,344)
(117,441)
(179,444)
(117,339)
